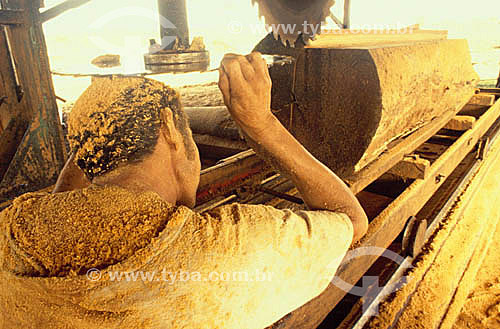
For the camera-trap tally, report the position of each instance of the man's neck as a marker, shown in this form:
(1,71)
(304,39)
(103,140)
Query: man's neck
(142,178)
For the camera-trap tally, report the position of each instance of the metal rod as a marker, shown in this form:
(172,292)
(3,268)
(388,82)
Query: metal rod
(280,195)
(173,23)
(17,81)
(336,20)
(347,14)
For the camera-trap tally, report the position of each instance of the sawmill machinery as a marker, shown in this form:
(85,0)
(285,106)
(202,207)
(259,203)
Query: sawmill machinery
(397,116)
(293,22)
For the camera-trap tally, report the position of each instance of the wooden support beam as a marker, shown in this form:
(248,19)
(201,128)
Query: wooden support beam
(482,99)
(12,17)
(60,9)
(412,167)
(461,123)
(473,110)
(41,153)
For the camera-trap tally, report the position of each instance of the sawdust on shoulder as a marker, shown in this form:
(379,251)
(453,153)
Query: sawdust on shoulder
(69,233)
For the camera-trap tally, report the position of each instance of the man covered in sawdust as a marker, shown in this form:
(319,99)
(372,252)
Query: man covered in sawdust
(122,207)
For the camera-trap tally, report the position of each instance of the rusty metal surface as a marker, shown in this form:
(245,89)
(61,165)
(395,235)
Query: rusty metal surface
(177,61)
(173,23)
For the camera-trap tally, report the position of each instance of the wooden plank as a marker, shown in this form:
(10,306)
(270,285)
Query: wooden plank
(462,229)
(214,121)
(389,224)
(461,123)
(362,38)
(12,17)
(60,9)
(473,110)
(411,167)
(482,99)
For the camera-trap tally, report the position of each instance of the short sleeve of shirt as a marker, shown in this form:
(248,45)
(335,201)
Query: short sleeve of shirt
(291,256)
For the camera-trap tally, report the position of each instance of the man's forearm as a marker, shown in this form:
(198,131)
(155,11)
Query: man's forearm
(320,188)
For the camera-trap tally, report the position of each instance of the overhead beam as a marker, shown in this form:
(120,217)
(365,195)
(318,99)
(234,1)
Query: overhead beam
(55,11)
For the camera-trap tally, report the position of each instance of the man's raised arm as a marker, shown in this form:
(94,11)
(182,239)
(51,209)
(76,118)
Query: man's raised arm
(246,86)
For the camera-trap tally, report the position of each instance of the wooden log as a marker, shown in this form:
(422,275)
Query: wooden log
(364,38)
(461,123)
(213,120)
(347,105)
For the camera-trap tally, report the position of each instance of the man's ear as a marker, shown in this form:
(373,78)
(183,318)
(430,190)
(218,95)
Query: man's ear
(169,131)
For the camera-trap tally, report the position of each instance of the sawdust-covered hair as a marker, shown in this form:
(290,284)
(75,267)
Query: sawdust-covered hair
(118,121)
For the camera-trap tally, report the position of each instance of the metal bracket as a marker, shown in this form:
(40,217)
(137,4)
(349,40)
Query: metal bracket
(482,148)
(414,236)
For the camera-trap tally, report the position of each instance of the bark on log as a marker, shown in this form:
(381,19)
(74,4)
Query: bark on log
(213,121)
(346,105)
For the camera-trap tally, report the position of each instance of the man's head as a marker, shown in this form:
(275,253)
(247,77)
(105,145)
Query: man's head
(120,123)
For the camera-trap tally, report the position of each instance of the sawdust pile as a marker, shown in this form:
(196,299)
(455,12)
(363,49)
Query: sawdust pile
(118,120)
(69,233)
(482,307)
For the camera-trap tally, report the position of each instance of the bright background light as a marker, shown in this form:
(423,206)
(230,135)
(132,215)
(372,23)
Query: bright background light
(124,27)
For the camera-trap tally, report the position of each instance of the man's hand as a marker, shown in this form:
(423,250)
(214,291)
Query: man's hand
(246,86)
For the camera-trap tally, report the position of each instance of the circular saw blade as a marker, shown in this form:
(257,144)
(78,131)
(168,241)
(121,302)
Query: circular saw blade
(291,18)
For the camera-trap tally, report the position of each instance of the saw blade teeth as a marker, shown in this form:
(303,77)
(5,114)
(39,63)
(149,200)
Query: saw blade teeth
(284,12)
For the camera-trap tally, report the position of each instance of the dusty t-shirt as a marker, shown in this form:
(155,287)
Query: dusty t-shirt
(238,266)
